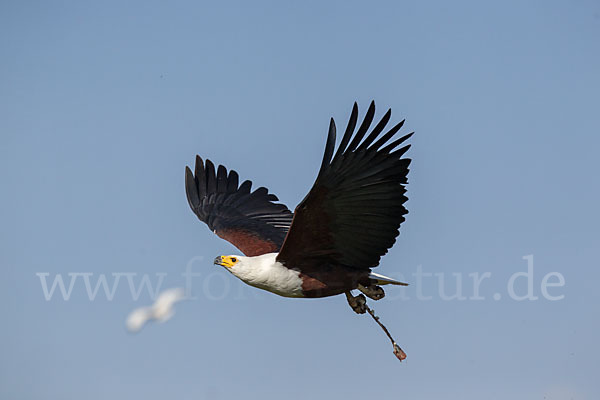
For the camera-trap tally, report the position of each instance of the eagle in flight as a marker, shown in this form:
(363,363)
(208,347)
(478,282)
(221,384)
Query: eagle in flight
(335,236)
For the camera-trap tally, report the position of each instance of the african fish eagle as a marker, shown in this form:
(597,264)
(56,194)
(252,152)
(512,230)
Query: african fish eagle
(338,232)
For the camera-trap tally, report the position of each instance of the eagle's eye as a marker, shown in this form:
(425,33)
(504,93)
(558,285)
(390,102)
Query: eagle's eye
(233,259)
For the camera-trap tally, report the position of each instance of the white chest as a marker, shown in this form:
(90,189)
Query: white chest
(265,273)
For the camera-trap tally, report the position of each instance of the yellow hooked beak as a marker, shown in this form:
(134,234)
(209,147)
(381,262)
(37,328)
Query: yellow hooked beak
(226,261)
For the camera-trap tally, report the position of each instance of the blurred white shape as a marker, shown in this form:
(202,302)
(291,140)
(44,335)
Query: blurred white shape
(160,311)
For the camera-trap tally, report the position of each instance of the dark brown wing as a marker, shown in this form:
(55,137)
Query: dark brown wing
(251,221)
(352,213)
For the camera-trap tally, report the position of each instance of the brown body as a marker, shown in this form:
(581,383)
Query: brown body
(331,280)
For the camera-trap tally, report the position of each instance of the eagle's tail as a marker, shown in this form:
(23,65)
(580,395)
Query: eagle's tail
(384,280)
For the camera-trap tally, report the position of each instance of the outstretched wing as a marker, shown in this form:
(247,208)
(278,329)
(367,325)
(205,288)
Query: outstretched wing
(251,221)
(352,213)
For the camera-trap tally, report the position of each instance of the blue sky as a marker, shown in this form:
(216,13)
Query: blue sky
(103,104)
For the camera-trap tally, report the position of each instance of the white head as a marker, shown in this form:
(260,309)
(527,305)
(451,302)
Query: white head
(248,269)
(231,263)
(264,272)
